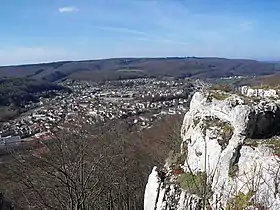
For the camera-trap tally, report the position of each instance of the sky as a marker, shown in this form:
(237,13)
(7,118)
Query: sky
(34,31)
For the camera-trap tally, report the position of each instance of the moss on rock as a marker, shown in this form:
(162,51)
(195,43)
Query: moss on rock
(225,130)
(274,143)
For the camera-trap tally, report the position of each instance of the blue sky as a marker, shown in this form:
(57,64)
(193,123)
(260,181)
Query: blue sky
(49,30)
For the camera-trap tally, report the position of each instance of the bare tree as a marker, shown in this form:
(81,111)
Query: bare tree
(89,167)
(64,174)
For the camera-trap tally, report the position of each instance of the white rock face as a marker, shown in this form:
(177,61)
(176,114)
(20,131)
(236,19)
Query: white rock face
(263,93)
(216,133)
(152,190)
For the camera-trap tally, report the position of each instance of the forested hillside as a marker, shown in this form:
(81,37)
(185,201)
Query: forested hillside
(16,93)
(141,67)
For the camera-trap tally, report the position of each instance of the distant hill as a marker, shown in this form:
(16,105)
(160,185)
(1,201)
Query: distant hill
(141,67)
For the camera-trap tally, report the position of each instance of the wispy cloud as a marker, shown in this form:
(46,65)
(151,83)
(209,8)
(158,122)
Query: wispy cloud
(68,9)
(246,26)
(122,30)
(141,35)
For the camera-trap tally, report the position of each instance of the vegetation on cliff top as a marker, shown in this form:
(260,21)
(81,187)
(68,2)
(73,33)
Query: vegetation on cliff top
(241,201)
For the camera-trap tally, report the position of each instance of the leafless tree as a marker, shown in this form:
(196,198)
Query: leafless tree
(89,167)
(64,174)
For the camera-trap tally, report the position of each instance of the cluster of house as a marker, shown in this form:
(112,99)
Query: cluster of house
(139,100)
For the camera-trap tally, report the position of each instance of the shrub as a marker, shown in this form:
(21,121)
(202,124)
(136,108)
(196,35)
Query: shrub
(192,183)
(251,142)
(219,95)
(274,143)
(195,183)
(226,134)
(241,201)
(232,171)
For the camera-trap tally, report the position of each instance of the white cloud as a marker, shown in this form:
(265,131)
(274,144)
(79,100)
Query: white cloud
(68,9)
(246,26)
(141,35)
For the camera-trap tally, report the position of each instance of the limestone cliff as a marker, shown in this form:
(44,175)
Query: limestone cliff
(229,157)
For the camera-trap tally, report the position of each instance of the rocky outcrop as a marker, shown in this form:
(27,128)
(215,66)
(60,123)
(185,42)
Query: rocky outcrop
(5,204)
(229,158)
(259,92)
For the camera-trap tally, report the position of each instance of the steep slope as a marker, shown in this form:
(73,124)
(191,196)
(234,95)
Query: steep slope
(229,158)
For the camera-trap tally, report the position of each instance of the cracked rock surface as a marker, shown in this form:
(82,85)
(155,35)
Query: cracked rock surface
(229,143)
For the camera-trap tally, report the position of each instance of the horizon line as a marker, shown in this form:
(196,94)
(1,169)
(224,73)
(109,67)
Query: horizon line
(135,57)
